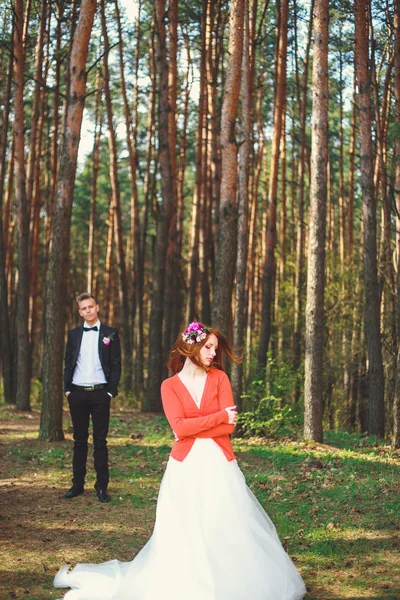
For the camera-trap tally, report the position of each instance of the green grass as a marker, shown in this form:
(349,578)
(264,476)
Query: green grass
(335,505)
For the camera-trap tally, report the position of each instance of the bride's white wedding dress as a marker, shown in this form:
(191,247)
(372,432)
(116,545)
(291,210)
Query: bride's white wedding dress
(212,540)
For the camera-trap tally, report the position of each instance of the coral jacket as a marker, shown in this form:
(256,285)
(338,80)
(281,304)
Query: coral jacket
(190,422)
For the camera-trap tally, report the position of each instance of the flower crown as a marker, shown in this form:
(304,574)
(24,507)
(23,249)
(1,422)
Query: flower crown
(196,332)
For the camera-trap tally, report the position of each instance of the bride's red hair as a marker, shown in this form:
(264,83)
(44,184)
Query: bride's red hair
(182,350)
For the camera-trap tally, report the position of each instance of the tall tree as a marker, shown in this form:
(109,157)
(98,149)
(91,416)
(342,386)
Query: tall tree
(313,385)
(225,265)
(156,352)
(270,233)
(5,338)
(51,416)
(302,94)
(245,154)
(396,404)
(116,204)
(22,318)
(371,290)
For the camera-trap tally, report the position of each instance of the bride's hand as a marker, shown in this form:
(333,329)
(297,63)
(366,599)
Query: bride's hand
(232,415)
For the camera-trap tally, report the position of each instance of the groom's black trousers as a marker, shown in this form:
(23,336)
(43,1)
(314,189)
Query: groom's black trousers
(82,405)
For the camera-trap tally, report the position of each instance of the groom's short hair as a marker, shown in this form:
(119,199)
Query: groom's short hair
(85,296)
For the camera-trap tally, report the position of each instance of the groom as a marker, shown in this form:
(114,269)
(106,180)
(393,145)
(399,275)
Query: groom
(91,375)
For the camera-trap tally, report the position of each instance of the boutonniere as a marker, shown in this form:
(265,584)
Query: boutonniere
(107,340)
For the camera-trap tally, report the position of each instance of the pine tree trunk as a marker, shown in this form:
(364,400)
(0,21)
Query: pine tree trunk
(193,263)
(35,227)
(54,139)
(5,338)
(156,352)
(178,310)
(396,403)
(22,317)
(51,416)
(245,156)
(172,280)
(270,233)
(134,258)
(372,317)
(95,172)
(116,201)
(149,180)
(225,264)
(299,269)
(313,385)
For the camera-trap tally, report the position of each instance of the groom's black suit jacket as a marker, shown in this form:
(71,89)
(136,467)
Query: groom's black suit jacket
(110,356)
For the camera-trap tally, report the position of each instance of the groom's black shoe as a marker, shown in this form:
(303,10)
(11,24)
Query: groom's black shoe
(76,490)
(103,496)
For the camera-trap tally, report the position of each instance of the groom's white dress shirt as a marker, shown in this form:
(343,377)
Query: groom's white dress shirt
(88,370)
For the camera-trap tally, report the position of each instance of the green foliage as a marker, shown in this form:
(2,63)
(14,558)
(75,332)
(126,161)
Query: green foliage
(267,403)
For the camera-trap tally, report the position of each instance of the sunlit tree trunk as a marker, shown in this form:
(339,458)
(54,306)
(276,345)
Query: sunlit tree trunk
(225,264)
(54,322)
(313,385)
(270,233)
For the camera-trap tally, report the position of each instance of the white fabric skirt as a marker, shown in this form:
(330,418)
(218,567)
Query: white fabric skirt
(212,540)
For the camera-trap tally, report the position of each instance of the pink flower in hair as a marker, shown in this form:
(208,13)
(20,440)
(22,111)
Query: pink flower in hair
(195,332)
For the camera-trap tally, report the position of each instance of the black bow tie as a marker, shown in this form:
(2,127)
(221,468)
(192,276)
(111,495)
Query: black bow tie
(95,328)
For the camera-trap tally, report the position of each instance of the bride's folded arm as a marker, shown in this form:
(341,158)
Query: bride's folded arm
(217,431)
(184,426)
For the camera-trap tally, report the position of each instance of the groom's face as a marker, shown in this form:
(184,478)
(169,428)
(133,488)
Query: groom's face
(89,310)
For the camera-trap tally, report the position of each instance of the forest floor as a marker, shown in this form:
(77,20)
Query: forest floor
(336,505)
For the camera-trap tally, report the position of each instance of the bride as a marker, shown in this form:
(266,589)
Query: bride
(212,540)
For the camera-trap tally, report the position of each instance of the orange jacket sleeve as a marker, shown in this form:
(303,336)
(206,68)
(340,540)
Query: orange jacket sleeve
(225,395)
(184,426)
(219,430)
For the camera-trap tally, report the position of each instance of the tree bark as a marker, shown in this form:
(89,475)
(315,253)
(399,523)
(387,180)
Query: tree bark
(225,264)
(300,242)
(116,201)
(95,172)
(5,338)
(371,290)
(270,233)
(313,385)
(134,259)
(156,352)
(22,317)
(172,280)
(245,155)
(193,262)
(54,322)
(396,403)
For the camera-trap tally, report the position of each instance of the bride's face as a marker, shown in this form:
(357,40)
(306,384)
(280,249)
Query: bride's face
(209,350)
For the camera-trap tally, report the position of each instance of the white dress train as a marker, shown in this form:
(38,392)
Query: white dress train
(212,540)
